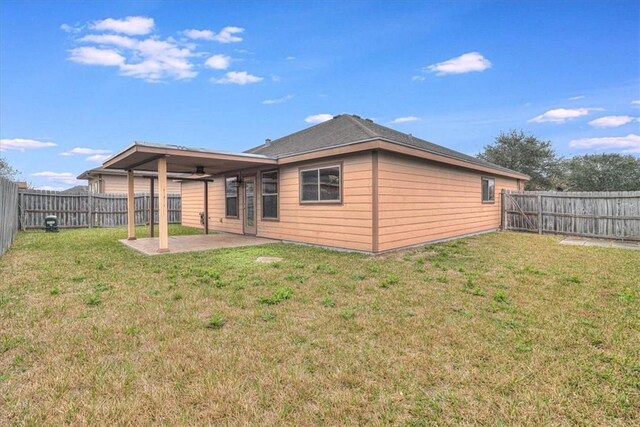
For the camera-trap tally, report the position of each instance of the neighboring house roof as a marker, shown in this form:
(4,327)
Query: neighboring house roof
(91,173)
(78,189)
(347,129)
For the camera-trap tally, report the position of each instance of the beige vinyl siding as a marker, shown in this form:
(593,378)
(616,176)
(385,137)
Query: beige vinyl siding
(418,201)
(422,201)
(342,225)
(217,215)
(192,203)
(115,184)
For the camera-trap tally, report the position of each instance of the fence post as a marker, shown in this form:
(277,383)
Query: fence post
(20,210)
(90,209)
(539,214)
(502,210)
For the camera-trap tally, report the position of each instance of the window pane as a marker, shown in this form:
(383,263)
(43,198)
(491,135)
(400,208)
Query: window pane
(269,188)
(330,184)
(231,195)
(270,206)
(488,189)
(232,206)
(310,185)
(492,189)
(270,182)
(270,176)
(232,187)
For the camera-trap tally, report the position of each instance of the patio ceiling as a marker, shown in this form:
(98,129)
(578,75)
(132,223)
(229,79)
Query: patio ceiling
(144,157)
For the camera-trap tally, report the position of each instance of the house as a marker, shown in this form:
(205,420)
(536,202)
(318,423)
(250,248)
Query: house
(114,181)
(76,189)
(346,183)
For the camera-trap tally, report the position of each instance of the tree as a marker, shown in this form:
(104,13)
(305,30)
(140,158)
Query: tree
(603,172)
(529,155)
(6,170)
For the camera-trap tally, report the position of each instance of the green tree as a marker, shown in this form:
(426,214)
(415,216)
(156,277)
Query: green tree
(529,155)
(6,170)
(603,172)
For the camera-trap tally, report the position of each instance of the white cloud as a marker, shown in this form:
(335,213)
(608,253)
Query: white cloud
(467,63)
(150,59)
(22,144)
(238,78)
(82,151)
(218,62)
(98,158)
(628,144)
(69,29)
(110,39)
(561,115)
(90,55)
(575,98)
(199,34)
(61,177)
(405,119)
(318,118)
(290,58)
(636,103)
(277,100)
(418,78)
(131,25)
(160,60)
(226,35)
(611,121)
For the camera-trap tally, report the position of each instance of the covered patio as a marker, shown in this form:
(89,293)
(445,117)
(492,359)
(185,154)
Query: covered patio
(149,245)
(201,165)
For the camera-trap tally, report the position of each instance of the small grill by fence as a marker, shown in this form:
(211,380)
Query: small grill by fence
(610,215)
(89,210)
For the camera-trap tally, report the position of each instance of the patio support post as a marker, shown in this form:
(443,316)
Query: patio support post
(151,206)
(163,217)
(131,206)
(206,207)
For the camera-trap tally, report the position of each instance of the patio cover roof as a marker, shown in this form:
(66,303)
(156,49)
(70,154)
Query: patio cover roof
(143,156)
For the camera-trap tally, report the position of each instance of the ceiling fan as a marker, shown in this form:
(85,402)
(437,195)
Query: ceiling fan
(199,174)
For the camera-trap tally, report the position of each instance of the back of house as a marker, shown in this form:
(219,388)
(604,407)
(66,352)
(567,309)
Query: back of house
(353,184)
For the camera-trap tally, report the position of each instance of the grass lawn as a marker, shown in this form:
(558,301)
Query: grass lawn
(500,329)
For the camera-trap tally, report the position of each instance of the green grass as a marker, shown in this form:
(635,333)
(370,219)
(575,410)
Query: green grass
(499,329)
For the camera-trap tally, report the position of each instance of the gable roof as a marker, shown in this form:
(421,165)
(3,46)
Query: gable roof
(346,129)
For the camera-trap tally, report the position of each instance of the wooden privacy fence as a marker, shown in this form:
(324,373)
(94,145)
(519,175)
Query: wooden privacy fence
(8,213)
(607,214)
(89,210)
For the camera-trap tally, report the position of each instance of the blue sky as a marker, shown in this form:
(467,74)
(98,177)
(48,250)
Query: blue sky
(82,80)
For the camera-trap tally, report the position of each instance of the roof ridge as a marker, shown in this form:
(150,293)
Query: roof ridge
(300,132)
(358,121)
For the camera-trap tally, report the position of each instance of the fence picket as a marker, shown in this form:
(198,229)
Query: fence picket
(88,210)
(610,214)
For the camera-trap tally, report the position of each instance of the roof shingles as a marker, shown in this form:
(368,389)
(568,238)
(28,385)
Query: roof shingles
(346,129)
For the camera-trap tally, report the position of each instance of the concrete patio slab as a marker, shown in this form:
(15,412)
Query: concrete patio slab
(179,244)
(586,241)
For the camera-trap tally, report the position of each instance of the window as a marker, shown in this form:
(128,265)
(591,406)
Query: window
(231,196)
(320,185)
(269,184)
(488,190)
